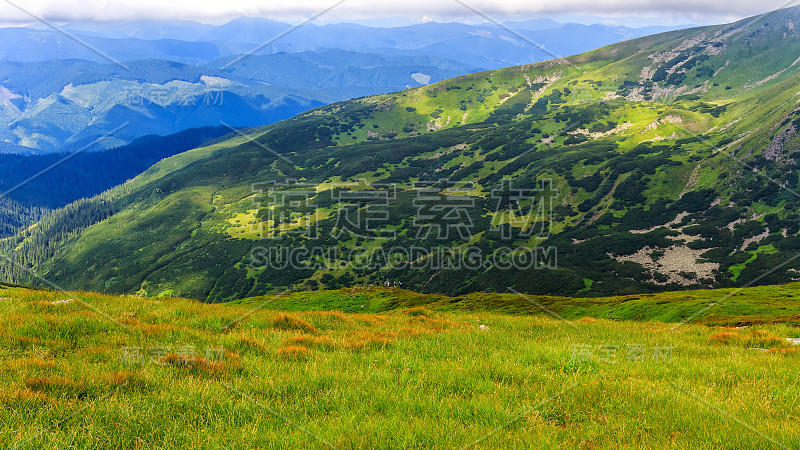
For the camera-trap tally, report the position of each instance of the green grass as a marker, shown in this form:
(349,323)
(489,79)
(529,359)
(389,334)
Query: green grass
(711,307)
(400,370)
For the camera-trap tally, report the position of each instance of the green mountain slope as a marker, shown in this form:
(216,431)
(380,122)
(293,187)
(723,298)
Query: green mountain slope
(659,163)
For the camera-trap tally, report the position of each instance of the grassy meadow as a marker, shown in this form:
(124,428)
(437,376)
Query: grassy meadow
(385,368)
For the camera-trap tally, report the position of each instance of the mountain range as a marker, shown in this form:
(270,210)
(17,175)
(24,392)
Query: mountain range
(664,162)
(489,46)
(95,86)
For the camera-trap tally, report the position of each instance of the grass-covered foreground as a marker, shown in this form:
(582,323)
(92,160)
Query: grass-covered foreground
(386,371)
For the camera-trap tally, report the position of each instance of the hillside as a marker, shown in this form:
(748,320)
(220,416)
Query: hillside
(666,162)
(90,370)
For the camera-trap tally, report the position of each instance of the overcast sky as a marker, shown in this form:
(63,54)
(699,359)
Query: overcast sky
(629,12)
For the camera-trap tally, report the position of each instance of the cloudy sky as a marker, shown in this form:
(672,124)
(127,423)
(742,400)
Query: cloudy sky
(629,12)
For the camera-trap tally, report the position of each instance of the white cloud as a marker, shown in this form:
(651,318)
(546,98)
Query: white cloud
(211,10)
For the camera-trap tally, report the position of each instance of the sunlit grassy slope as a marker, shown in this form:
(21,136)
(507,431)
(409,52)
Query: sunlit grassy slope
(385,368)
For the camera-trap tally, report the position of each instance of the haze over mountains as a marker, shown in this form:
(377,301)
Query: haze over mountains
(661,163)
(487,46)
(110,83)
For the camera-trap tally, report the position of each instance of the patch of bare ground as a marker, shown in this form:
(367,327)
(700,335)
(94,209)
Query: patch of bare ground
(618,129)
(678,219)
(438,124)
(547,81)
(776,150)
(765,80)
(755,239)
(692,181)
(452,149)
(727,63)
(736,142)
(679,263)
(671,118)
